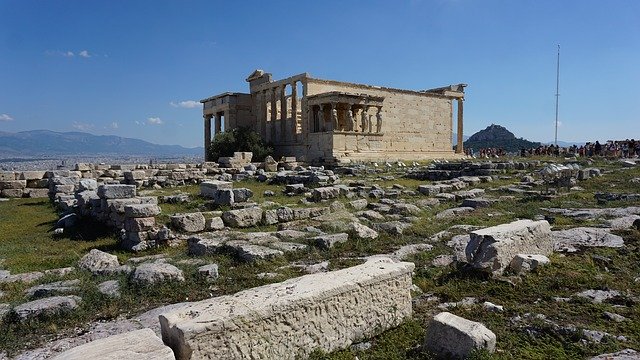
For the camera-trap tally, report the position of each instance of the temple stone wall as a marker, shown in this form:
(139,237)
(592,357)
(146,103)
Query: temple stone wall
(413,124)
(292,113)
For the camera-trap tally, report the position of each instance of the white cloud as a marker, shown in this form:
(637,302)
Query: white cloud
(187,104)
(68,53)
(113,125)
(60,53)
(5,117)
(82,126)
(154,121)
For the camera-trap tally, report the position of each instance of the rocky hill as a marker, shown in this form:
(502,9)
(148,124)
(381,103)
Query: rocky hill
(496,136)
(45,142)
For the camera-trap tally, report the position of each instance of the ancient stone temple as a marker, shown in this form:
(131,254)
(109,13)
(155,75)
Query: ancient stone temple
(326,121)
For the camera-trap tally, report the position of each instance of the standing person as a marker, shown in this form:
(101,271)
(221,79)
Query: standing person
(598,148)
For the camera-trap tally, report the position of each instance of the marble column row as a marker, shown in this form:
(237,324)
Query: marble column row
(288,120)
(207,129)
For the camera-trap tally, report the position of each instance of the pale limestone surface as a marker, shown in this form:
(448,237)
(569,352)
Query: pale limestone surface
(571,239)
(363,231)
(525,262)
(452,337)
(290,319)
(242,217)
(493,248)
(49,306)
(135,345)
(158,271)
(117,191)
(100,262)
(188,222)
(626,354)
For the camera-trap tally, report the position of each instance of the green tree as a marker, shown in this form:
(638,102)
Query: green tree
(239,139)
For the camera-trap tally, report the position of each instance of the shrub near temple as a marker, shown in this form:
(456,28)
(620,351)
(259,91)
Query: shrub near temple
(239,139)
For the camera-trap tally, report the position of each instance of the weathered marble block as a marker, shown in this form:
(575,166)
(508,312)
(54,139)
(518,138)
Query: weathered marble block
(134,345)
(210,188)
(141,210)
(452,337)
(117,191)
(32,175)
(288,320)
(492,249)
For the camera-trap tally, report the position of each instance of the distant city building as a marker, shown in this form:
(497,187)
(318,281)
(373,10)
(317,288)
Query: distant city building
(326,121)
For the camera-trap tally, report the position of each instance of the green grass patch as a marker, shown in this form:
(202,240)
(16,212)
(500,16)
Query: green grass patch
(27,242)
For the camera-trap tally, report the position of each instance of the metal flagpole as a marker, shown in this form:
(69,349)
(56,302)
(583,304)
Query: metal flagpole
(557,93)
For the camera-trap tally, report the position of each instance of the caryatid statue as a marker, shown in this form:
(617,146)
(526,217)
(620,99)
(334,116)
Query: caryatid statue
(353,125)
(320,117)
(379,120)
(364,119)
(334,117)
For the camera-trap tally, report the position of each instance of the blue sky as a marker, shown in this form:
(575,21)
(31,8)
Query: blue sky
(134,68)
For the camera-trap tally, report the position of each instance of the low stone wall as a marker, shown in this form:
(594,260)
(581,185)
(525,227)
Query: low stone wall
(451,170)
(290,319)
(31,184)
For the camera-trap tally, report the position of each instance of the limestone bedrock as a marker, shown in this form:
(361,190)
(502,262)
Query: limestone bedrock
(288,320)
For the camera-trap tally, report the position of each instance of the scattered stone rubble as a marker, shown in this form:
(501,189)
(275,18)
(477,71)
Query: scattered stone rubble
(110,195)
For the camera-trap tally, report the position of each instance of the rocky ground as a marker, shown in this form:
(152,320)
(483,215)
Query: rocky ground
(579,300)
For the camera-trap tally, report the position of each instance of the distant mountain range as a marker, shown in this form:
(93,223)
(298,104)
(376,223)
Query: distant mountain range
(45,143)
(566,143)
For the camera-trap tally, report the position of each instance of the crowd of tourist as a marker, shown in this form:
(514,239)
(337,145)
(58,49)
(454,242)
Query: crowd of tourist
(620,149)
(486,153)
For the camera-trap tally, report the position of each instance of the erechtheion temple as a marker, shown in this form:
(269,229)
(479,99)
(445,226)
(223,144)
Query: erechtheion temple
(330,121)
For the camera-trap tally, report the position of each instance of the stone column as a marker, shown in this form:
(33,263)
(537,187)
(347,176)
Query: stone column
(233,118)
(218,123)
(227,121)
(207,136)
(459,149)
(274,114)
(283,113)
(294,108)
(264,114)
